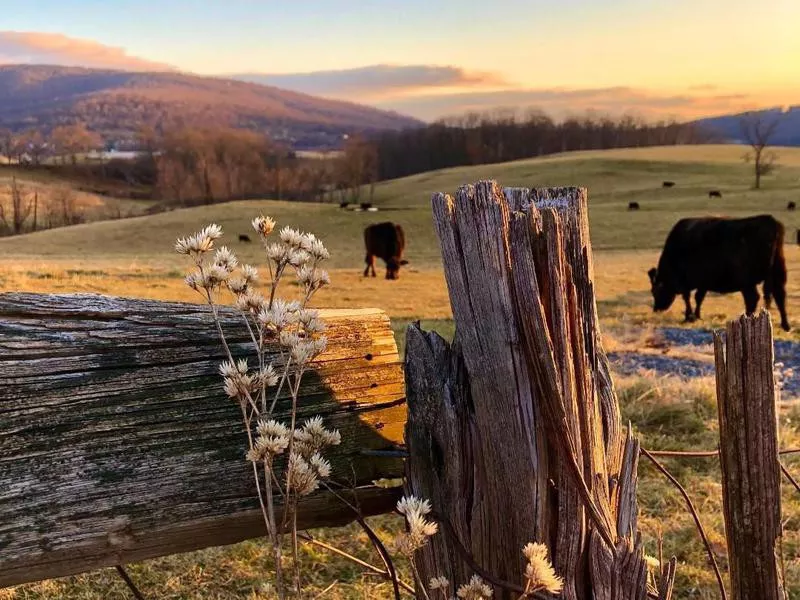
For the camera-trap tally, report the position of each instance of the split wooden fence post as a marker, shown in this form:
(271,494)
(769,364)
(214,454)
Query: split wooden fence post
(751,475)
(514,432)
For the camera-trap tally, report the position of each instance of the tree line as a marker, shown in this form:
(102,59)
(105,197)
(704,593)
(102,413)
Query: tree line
(188,165)
(477,139)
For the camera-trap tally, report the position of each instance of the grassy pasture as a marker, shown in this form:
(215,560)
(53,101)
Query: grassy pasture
(134,257)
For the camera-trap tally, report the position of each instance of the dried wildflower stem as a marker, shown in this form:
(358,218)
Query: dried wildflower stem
(789,476)
(695,516)
(129,582)
(749,459)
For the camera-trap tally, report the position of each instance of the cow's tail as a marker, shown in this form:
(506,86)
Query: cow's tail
(776,278)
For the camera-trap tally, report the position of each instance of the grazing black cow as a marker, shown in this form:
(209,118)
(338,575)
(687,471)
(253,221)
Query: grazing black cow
(714,194)
(668,184)
(388,242)
(714,254)
(244,238)
(344,204)
(366,205)
(791,206)
(633,206)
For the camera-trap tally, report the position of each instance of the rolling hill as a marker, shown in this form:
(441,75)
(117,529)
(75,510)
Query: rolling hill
(727,127)
(117,103)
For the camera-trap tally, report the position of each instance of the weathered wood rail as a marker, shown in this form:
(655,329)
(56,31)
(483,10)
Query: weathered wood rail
(118,444)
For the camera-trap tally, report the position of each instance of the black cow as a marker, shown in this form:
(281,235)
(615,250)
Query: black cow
(244,238)
(714,194)
(344,204)
(791,206)
(668,184)
(633,206)
(366,205)
(714,254)
(388,242)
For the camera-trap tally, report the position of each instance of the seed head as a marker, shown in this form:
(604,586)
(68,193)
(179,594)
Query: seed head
(291,237)
(263,225)
(278,253)
(301,478)
(438,583)
(476,589)
(226,259)
(249,273)
(539,571)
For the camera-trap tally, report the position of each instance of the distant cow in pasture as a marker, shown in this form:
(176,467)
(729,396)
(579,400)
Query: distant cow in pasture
(244,238)
(714,254)
(714,194)
(668,184)
(344,204)
(366,205)
(791,206)
(387,242)
(633,206)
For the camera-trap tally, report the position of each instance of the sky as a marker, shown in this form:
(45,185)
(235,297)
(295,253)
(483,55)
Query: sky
(433,58)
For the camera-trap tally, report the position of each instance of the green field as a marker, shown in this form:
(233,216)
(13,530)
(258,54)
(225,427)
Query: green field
(134,257)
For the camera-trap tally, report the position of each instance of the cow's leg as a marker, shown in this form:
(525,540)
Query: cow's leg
(751,298)
(780,300)
(699,296)
(370,260)
(688,314)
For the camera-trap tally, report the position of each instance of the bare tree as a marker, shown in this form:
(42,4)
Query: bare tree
(21,207)
(758,128)
(8,144)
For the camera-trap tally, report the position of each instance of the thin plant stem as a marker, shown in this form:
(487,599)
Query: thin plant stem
(418,578)
(712,559)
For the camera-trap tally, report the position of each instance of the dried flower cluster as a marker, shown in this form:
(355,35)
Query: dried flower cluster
(419,527)
(539,572)
(297,333)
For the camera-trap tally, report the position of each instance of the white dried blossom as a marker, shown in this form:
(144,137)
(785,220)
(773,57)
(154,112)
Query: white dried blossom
(268,376)
(194,280)
(249,273)
(277,317)
(232,388)
(652,563)
(291,237)
(438,583)
(312,278)
(237,286)
(408,505)
(539,571)
(313,437)
(273,428)
(321,466)
(200,242)
(251,302)
(318,250)
(263,225)
(214,277)
(226,259)
(476,589)
(278,252)
(241,366)
(298,258)
(301,478)
(289,340)
(228,369)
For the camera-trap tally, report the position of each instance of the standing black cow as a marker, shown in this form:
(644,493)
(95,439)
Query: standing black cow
(667,184)
(714,194)
(388,242)
(714,254)
(633,206)
(791,206)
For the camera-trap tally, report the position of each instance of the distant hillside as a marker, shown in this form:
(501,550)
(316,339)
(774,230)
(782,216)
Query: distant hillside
(727,127)
(117,103)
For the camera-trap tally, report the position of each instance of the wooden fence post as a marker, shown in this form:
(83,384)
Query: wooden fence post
(751,475)
(514,432)
(117,442)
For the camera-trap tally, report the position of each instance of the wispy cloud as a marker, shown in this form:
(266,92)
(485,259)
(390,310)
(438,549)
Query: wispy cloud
(560,102)
(30,47)
(380,81)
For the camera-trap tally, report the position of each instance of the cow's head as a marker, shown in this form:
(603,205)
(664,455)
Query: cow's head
(393,267)
(663,295)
